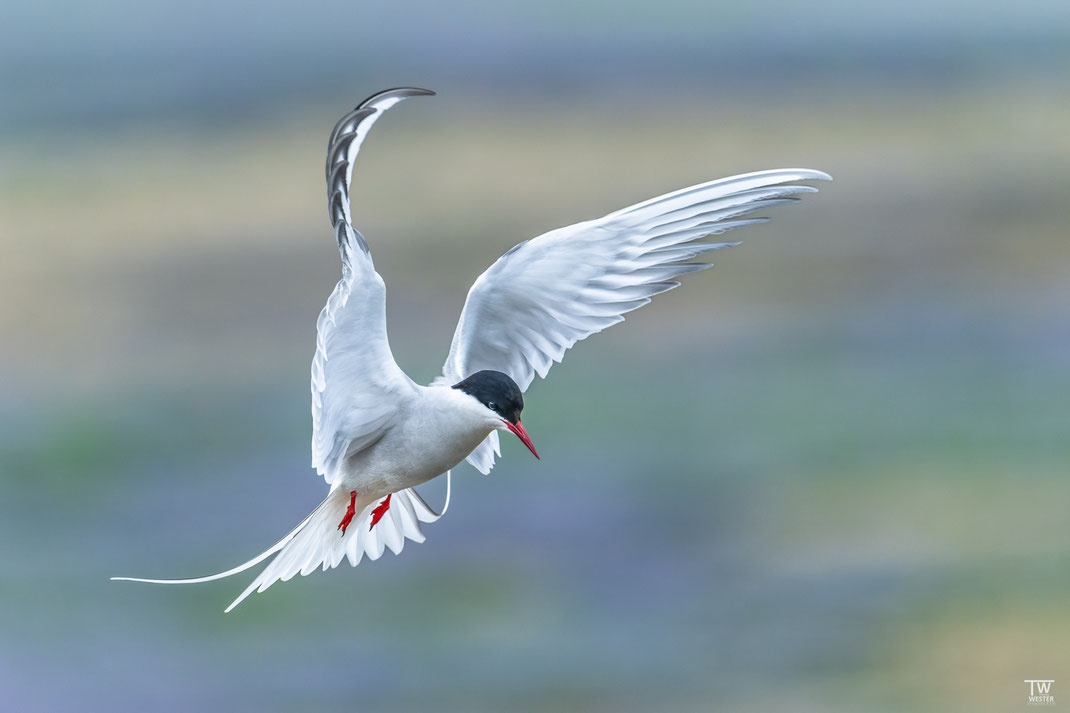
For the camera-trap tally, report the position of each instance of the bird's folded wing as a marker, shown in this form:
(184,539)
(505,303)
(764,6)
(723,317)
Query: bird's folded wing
(546,294)
(356,384)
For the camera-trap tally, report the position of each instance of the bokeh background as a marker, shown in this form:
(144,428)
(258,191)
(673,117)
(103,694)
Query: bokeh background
(829,475)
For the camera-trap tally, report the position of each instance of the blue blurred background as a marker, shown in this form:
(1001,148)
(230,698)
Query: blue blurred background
(829,475)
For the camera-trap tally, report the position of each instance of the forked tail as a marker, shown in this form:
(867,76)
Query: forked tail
(317,542)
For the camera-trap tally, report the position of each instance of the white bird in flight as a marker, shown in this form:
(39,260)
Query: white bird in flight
(376,434)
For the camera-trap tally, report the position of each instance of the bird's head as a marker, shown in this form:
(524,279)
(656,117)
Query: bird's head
(502,397)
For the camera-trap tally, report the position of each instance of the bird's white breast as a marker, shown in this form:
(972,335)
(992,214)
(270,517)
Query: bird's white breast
(434,431)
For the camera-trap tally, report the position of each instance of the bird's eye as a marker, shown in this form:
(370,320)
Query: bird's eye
(492,406)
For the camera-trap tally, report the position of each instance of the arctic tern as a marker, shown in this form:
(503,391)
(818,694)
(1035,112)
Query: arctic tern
(376,434)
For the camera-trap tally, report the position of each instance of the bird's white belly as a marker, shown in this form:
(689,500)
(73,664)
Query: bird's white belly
(411,453)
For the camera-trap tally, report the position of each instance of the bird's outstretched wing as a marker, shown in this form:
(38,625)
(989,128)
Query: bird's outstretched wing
(546,294)
(356,383)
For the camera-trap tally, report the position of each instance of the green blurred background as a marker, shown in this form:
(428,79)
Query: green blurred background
(829,475)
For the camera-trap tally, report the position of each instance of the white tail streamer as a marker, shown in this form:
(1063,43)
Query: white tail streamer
(317,544)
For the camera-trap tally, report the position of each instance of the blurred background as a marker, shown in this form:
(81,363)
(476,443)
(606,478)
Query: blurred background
(829,475)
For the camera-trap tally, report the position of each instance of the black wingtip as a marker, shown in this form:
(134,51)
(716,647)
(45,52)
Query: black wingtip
(398,93)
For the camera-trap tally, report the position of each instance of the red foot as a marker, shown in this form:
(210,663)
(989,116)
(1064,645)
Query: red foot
(380,510)
(350,512)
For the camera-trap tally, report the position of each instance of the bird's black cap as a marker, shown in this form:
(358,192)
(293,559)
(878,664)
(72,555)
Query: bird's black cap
(496,391)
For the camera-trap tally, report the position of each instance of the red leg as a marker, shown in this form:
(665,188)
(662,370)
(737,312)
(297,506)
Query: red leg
(350,512)
(380,510)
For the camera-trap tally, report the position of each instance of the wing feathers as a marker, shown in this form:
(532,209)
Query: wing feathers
(725,186)
(356,384)
(344,145)
(548,293)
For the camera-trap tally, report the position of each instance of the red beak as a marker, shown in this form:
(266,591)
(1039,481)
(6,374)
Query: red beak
(518,429)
